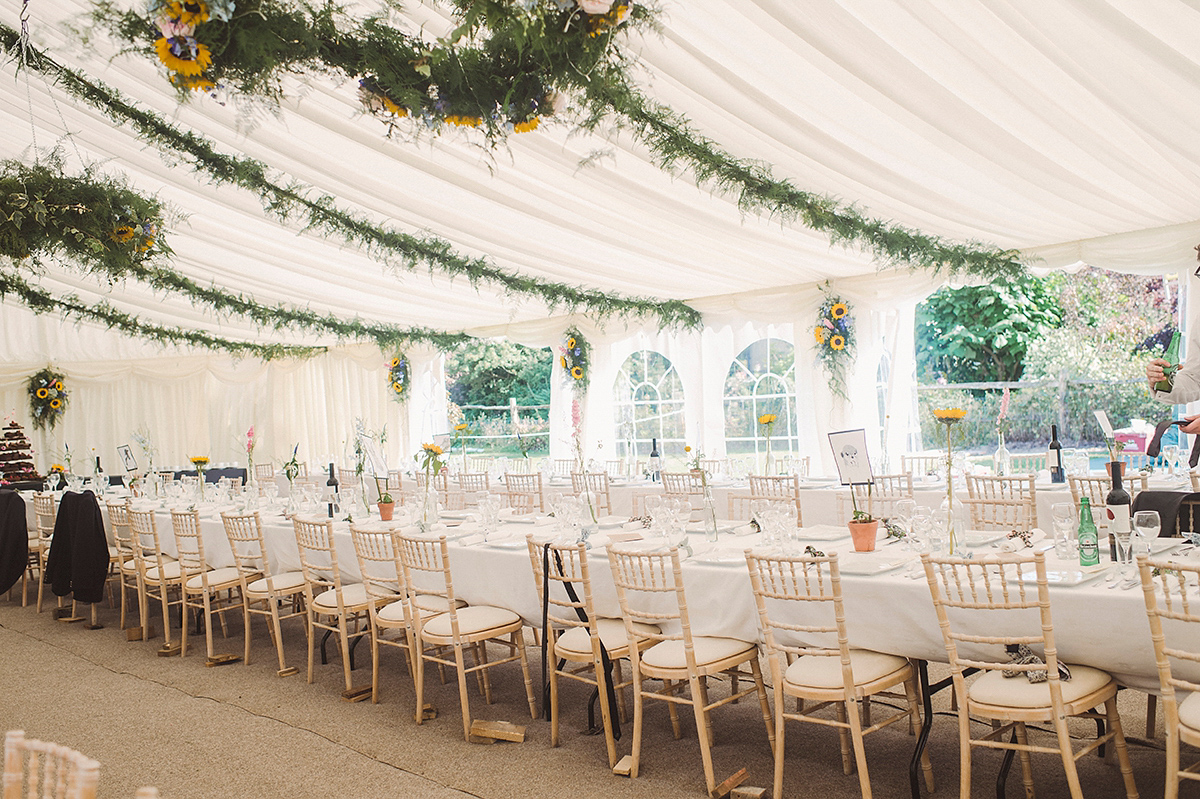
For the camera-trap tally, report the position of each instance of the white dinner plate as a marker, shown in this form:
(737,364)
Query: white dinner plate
(981,538)
(1066,576)
(723,526)
(720,557)
(822,532)
(877,562)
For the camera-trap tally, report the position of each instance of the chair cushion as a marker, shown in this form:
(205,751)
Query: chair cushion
(216,578)
(670,654)
(113,553)
(391,613)
(284,582)
(170,572)
(993,688)
(1189,711)
(430,604)
(353,596)
(471,620)
(814,671)
(575,642)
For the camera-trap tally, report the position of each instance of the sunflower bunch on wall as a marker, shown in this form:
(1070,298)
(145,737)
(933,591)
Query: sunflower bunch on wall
(575,358)
(834,334)
(398,377)
(47,398)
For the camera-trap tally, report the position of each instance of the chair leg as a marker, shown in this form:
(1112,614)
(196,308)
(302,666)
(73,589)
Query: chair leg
(1026,763)
(606,718)
(519,639)
(635,754)
(462,690)
(1151,716)
(756,670)
(964,749)
(344,642)
(481,651)
(777,789)
(844,737)
(374,663)
(860,755)
(208,641)
(1171,789)
(278,632)
(1068,757)
(672,711)
(698,709)
(311,636)
(914,721)
(246,629)
(553,665)
(164,600)
(1114,723)
(419,680)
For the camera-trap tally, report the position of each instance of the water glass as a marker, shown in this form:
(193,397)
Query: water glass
(1124,554)
(1063,515)
(918,534)
(1146,524)
(903,514)
(489,513)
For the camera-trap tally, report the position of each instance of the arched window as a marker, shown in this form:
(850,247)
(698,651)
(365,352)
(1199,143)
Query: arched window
(648,395)
(761,380)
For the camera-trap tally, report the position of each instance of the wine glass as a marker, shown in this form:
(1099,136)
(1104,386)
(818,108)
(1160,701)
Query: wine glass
(1147,524)
(904,511)
(918,535)
(1063,515)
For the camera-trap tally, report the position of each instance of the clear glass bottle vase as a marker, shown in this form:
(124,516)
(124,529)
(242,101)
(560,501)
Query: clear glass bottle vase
(1002,459)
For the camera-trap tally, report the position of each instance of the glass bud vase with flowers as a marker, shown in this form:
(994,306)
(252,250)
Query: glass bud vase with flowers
(201,463)
(710,509)
(430,461)
(291,469)
(953,510)
(1002,459)
(767,422)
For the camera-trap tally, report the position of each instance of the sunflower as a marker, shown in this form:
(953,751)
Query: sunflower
(837,342)
(55,404)
(459,428)
(767,418)
(432,449)
(397,387)
(577,372)
(392,108)
(948,414)
(187,12)
(839,310)
(571,343)
(563,360)
(122,233)
(464,121)
(527,125)
(195,83)
(58,385)
(183,54)
(687,449)
(42,393)
(819,334)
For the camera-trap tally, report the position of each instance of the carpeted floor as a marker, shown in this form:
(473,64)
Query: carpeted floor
(241,731)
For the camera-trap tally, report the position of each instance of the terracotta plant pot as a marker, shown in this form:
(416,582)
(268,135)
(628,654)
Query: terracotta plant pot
(864,535)
(385,510)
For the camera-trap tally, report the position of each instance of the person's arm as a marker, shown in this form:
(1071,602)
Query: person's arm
(1187,378)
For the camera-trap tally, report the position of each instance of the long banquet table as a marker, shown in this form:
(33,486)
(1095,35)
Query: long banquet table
(889,611)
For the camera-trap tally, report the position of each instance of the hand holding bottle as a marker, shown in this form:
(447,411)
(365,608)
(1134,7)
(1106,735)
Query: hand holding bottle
(1157,370)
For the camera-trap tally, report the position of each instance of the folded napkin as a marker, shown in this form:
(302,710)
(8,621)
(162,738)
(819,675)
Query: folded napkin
(1021,539)
(745,529)
(1022,655)
(635,524)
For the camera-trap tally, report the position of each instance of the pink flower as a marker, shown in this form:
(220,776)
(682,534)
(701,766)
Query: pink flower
(1003,407)
(595,6)
(576,414)
(173,27)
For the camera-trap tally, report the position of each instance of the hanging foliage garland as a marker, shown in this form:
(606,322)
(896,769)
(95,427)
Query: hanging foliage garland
(508,64)
(398,377)
(92,219)
(575,356)
(48,398)
(289,200)
(834,334)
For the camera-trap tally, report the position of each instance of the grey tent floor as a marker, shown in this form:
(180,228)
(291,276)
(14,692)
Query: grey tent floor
(241,731)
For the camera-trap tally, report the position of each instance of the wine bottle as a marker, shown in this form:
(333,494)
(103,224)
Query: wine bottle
(654,463)
(1117,507)
(1089,543)
(1171,356)
(101,481)
(1054,457)
(332,484)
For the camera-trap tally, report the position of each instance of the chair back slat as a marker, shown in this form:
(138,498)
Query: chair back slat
(525,491)
(189,543)
(650,591)
(567,565)
(787,485)
(596,484)
(1174,624)
(425,572)
(377,562)
(1001,514)
(682,484)
(45,510)
(118,519)
(244,531)
(147,545)
(318,555)
(42,770)
(987,604)
(473,481)
(797,587)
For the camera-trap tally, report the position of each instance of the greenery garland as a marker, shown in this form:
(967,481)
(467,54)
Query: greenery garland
(93,220)
(575,357)
(41,301)
(48,398)
(835,340)
(507,47)
(399,377)
(320,212)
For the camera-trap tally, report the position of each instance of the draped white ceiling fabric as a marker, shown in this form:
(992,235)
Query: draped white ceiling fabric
(1062,128)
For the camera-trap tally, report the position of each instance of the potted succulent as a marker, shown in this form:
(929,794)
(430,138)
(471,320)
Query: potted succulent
(386,506)
(864,528)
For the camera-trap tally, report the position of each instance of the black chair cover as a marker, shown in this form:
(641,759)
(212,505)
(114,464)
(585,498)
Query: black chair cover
(1167,504)
(78,560)
(14,539)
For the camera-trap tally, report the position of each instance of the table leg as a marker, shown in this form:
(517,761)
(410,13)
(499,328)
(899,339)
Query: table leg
(914,765)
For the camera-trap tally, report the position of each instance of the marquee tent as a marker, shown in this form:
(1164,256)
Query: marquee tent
(1056,127)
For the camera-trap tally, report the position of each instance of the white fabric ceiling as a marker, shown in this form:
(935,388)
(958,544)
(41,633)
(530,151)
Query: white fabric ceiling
(1064,128)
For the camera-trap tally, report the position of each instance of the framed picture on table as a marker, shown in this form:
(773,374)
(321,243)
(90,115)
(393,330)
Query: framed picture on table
(375,460)
(850,455)
(125,452)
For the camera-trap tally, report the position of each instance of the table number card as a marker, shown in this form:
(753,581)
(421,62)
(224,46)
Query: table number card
(850,455)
